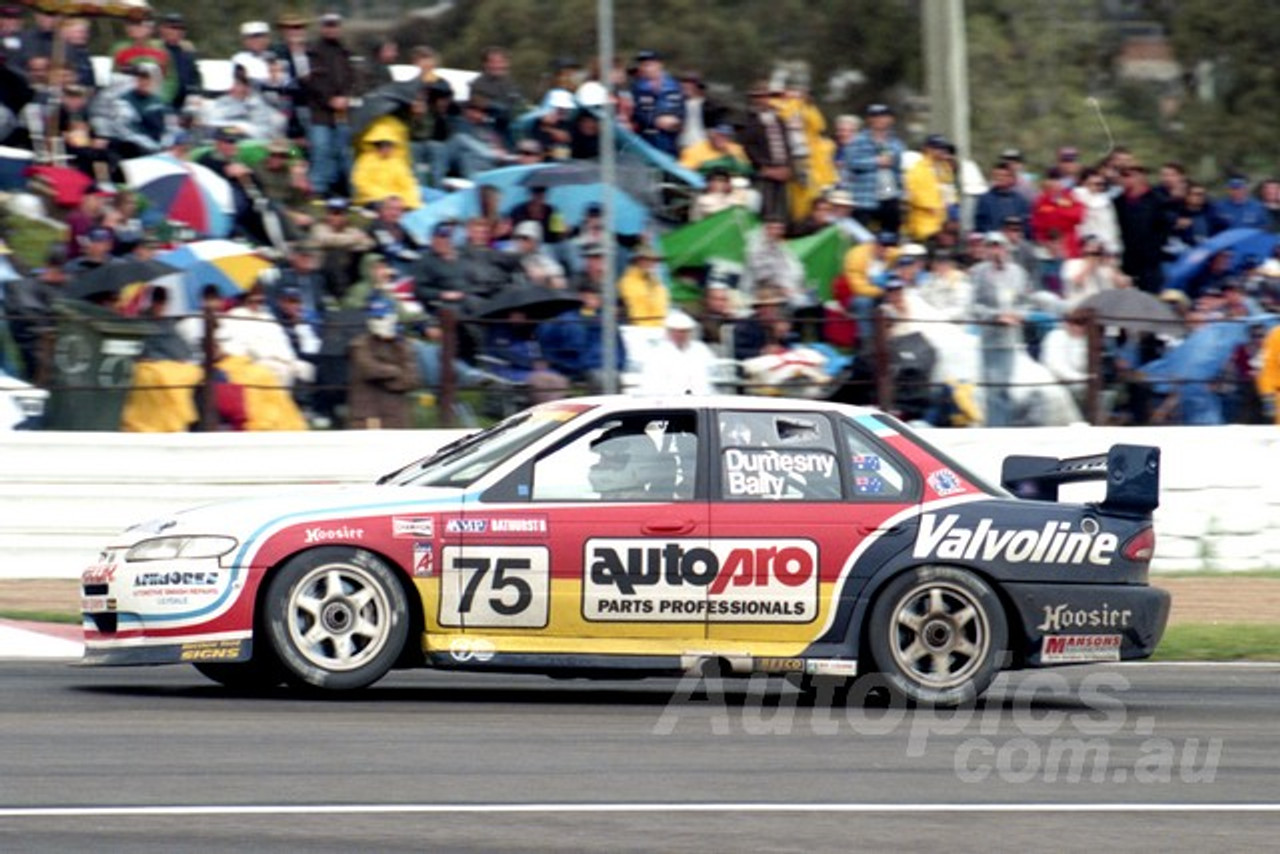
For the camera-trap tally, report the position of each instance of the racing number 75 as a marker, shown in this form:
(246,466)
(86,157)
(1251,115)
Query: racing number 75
(499,582)
(495,587)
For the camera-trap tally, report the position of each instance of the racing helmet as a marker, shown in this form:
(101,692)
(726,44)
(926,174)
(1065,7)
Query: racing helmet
(625,464)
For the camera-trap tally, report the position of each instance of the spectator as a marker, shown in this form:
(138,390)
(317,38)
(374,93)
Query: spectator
(252,331)
(1001,201)
(341,244)
(846,131)
(441,277)
(537,266)
(162,396)
(1055,218)
(183,80)
(251,203)
(383,369)
(244,109)
(1267,378)
(303,279)
(929,187)
(538,209)
(1017,165)
(947,288)
(1092,273)
(1143,230)
(642,291)
(716,150)
(77,59)
(770,259)
(1001,290)
(867,266)
(573,342)
(391,239)
(496,92)
(73,120)
(383,169)
(29,302)
(432,125)
(486,269)
(140,46)
(679,364)
(329,89)
(284,181)
(1239,209)
(1099,217)
(475,144)
(255,55)
(95,251)
(553,125)
(765,141)
(766,331)
(1269,196)
(1069,167)
(718,195)
(12,39)
(874,161)
(1172,187)
(659,104)
(717,317)
(140,121)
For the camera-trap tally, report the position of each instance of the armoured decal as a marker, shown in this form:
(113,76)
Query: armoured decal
(943,537)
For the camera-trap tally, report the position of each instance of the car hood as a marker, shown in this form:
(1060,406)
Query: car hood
(242,518)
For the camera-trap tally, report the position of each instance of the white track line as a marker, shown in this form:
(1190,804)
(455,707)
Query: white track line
(623,808)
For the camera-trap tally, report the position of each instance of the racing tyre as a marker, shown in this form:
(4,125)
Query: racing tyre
(937,636)
(336,619)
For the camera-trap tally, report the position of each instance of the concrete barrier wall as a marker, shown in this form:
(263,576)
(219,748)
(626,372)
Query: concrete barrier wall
(63,495)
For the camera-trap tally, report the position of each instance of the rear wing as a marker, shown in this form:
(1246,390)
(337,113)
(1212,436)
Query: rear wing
(1132,473)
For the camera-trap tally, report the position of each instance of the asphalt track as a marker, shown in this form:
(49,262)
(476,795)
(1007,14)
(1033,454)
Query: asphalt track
(1171,757)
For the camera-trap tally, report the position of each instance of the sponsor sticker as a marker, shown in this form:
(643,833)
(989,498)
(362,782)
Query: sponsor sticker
(471,649)
(1063,649)
(1059,617)
(693,581)
(99,573)
(495,586)
(497,526)
(413,527)
(178,578)
(221,650)
(948,538)
(945,482)
(424,560)
(778,665)
(328,535)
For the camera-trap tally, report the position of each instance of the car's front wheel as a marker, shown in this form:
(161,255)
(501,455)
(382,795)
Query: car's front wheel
(937,635)
(336,618)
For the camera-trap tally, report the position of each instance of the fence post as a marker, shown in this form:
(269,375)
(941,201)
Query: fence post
(884,379)
(208,396)
(1093,393)
(448,352)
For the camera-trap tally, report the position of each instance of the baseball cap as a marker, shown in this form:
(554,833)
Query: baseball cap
(1011,154)
(561,99)
(936,140)
(879,110)
(995,238)
(442,229)
(1068,153)
(255,28)
(173,19)
(887,238)
(723,128)
(228,133)
(894,284)
(1237,182)
(530,229)
(594,209)
(337,203)
(330,18)
(646,55)
(913,251)
(291,293)
(592,250)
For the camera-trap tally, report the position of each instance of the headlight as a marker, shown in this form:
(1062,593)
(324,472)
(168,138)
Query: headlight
(185,548)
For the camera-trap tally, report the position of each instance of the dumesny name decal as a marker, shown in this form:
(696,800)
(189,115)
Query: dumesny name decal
(945,537)
(691,581)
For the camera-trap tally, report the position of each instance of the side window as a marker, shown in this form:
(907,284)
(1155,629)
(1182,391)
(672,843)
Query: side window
(775,456)
(631,458)
(871,474)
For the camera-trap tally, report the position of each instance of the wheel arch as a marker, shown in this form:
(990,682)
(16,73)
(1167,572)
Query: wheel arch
(410,656)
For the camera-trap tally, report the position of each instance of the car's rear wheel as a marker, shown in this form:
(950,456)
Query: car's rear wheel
(336,618)
(937,635)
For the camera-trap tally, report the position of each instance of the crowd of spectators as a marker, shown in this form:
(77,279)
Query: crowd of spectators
(355,298)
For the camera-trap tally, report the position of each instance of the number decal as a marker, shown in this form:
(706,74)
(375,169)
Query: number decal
(492,587)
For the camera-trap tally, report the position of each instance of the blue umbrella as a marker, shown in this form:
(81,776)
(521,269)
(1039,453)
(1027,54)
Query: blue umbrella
(1241,242)
(631,217)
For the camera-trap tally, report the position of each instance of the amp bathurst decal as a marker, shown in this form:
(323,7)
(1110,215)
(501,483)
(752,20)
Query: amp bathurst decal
(697,580)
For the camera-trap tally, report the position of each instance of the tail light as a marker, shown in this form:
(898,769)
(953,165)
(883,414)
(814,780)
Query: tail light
(1141,546)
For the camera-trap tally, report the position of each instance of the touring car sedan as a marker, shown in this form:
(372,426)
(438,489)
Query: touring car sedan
(609,535)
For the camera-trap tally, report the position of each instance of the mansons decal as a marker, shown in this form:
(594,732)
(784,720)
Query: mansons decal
(944,537)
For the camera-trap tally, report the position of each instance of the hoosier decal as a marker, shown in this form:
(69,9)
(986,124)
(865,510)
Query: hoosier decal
(1054,543)
(728,581)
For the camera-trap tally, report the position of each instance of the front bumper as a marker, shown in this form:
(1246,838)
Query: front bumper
(1079,623)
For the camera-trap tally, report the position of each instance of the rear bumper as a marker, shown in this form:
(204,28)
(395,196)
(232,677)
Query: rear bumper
(1078,623)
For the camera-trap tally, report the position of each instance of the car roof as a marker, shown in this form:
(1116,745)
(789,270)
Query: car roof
(626,403)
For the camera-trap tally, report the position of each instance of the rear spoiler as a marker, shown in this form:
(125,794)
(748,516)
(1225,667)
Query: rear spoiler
(1132,473)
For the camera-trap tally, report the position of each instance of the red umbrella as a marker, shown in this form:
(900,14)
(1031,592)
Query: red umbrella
(66,186)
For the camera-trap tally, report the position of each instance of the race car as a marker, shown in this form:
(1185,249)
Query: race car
(645,536)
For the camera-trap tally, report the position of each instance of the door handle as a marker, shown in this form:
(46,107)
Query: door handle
(669,526)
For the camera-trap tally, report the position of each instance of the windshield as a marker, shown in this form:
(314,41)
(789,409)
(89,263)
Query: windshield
(461,463)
